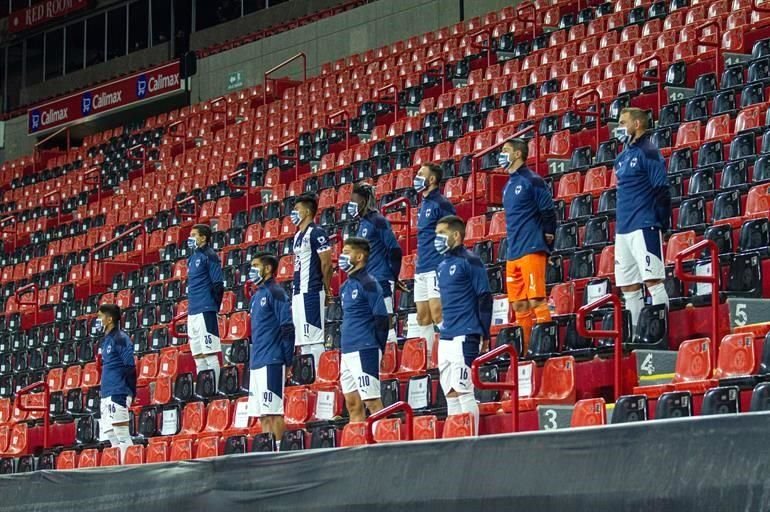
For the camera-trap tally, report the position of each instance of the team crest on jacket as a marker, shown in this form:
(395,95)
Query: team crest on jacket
(109,348)
(364,232)
(518,189)
(197,263)
(354,294)
(427,213)
(263,301)
(633,162)
(452,270)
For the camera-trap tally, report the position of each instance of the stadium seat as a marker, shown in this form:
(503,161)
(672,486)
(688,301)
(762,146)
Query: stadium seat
(181,449)
(353,434)
(413,360)
(66,460)
(89,458)
(588,413)
(387,430)
(328,374)
(693,370)
(111,457)
(425,427)
(459,425)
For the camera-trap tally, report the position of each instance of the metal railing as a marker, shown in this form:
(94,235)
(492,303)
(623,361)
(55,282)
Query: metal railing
(387,411)
(125,234)
(26,290)
(408,222)
(511,384)
(45,408)
(346,119)
(616,332)
(266,76)
(659,77)
(391,87)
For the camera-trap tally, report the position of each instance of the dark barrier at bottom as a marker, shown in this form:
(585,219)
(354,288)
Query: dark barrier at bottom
(719,464)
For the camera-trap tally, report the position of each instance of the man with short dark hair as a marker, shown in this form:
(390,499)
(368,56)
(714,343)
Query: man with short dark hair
(118,386)
(205,289)
(312,277)
(466,300)
(643,214)
(364,331)
(426,290)
(384,262)
(272,345)
(530,218)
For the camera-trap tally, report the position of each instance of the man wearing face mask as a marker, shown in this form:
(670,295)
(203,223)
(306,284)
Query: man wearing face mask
(312,277)
(643,214)
(530,219)
(272,345)
(466,300)
(205,289)
(384,262)
(364,331)
(426,290)
(118,386)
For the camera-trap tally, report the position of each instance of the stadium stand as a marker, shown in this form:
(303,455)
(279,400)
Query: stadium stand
(107,223)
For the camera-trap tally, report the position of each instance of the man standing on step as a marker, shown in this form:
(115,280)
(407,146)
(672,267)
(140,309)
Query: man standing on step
(205,289)
(643,214)
(467,306)
(312,277)
(530,219)
(426,291)
(364,331)
(384,263)
(272,345)
(118,387)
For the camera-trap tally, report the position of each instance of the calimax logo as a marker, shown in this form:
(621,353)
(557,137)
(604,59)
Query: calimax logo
(50,116)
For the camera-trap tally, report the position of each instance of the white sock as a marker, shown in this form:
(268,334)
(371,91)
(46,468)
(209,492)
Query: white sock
(124,440)
(658,294)
(278,445)
(429,333)
(634,303)
(468,404)
(212,363)
(453,406)
(112,437)
(201,364)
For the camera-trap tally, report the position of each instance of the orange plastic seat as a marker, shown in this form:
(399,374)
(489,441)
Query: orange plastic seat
(17,444)
(736,357)
(89,458)
(589,412)
(91,376)
(162,392)
(758,201)
(207,446)
(389,361)
(497,227)
(563,296)
(693,370)
(134,455)
(414,360)
(72,377)
(678,243)
(459,425)
(387,430)
(111,456)
(354,434)
(147,370)
(328,374)
(157,451)
(181,449)
(424,427)
(66,460)
(570,186)
(299,403)
(475,229)
(238,327)
(557,385)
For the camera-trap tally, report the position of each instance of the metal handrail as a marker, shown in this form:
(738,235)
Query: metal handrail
(712,279)
(300,55)
(125,234)
(442,70)
(388,88)
(295,158)
(511,384)
(717,45)
(387,411)
(532,20)
(346,119)
(233,186)
(408,207)
(96,173)
(24,290)
(172,326)
(143,159)
(487,32)
(36,150)
(616,332)
(45,408)
(182,202)
(659,78)
(587,113)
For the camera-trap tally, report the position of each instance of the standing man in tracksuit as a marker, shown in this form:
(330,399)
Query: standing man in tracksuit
(272,345)
(466,300)
(643,214)
(426,290)
(364,331)
(384,263)
(205,289)
(118,387)
(530,219)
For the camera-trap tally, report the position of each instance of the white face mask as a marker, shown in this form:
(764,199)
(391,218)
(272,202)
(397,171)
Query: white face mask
(621,133)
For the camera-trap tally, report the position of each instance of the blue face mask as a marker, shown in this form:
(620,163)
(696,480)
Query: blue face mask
(294,217)
(419,183)
(503,160)
(98,326)
(441,243)
(255,276)
(344,263)
(621,133)
(192,243)
(353,209)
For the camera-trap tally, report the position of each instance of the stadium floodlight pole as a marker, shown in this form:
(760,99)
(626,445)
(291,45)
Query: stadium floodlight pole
(658,78)
(387,411)
(616,332)
(266,76)
(533,20)
(402,201)
(345,117)
(44,407)
(442,70)
(476,158)
(511,384)
(19,295)
(716,43)
(484,44)
(587,113)
(57,204)
(712,279)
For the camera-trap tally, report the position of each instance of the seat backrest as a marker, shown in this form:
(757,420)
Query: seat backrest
(148,366)
(218,415)
(389,362)
(558,382)
(5,410)
(424,427)
(207,447)
(387,430)
(414,356)
(91,376)
(570,185)
(89,458)
(168,364)
(693,362)
(66,460)
(299,404)
(134,455)
(563,296)
(758,200)
(181,449)
(72,377)
(497,227)
(328,367)
(193,418)
(354,434)
(111,457)
(736,356)
(589,412)
(459,425)
(678,243)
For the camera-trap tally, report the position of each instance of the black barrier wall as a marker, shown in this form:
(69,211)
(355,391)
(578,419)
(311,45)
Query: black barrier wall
(719,464)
